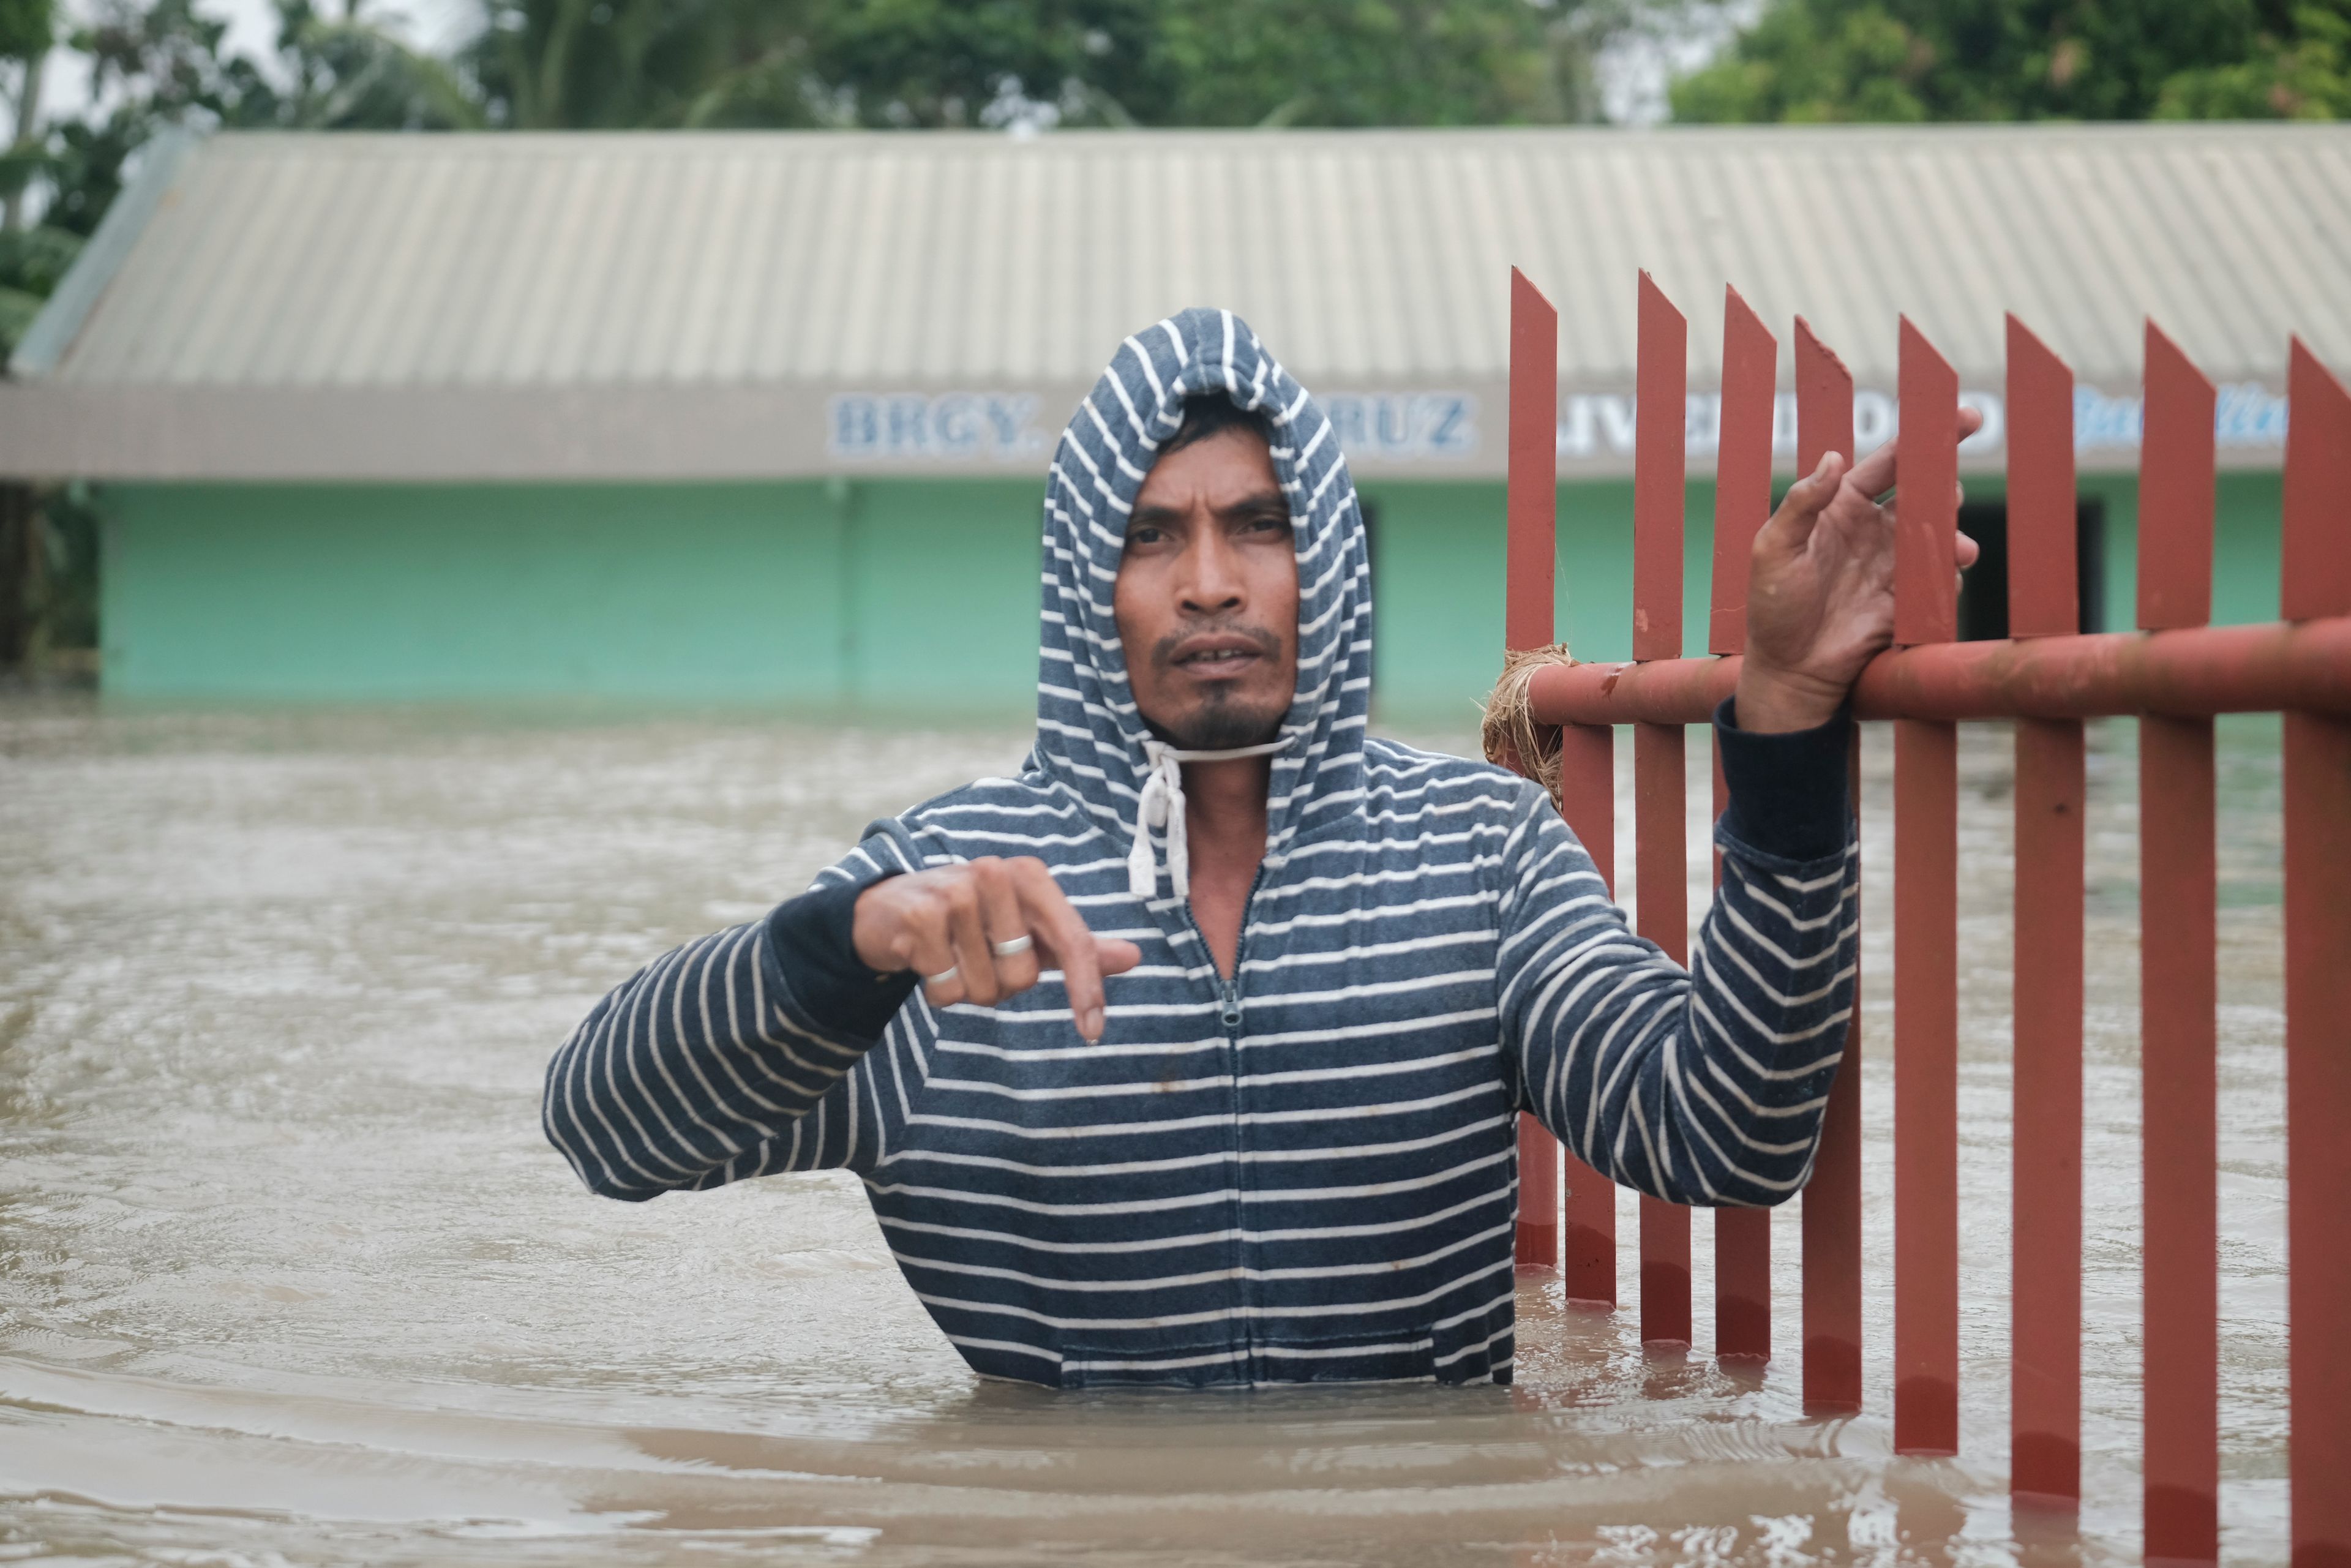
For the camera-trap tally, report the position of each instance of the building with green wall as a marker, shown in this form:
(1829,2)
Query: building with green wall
(885,595)
(764,419)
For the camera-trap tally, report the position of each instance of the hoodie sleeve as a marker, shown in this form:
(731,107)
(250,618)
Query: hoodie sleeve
(1701,1086)
(742,1054)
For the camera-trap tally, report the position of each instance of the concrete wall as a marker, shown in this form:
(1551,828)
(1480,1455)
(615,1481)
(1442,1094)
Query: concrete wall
(897,596)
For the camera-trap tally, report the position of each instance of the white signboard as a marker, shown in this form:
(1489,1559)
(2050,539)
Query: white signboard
(1591,425)
(1444,431)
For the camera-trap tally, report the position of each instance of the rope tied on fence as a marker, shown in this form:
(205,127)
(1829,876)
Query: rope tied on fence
(1510,735)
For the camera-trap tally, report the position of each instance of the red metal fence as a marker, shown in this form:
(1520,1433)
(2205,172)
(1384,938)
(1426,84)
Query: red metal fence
(2173,675)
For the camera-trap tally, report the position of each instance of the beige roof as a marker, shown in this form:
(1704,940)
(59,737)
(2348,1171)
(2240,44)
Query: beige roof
(791,266)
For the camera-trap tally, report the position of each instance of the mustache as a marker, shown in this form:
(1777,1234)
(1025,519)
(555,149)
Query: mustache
(1163,652)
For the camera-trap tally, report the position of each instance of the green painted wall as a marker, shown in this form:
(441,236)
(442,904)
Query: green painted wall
(806,594)
(908,596)
(2245,537)
(940,593)
(1438,555)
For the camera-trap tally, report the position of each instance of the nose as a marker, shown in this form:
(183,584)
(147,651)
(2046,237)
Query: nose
(1212,582)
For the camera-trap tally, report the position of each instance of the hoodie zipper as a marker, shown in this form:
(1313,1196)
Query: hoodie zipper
(1228,996)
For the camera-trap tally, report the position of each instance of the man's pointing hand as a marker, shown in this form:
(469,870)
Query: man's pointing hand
(1820,590)
(985,929)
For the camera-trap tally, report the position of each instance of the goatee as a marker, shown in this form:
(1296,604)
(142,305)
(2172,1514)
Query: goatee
(1219,725)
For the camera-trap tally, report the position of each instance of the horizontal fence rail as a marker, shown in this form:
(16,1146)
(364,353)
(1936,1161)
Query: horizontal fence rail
(2172,674)
(2301,668)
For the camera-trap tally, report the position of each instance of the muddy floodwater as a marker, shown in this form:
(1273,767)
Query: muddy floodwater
(287,1274)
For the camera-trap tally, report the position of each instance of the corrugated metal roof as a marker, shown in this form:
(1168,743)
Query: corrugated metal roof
(650,261)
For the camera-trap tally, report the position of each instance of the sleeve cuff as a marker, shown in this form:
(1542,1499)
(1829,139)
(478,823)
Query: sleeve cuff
(814,942)
(1788,791)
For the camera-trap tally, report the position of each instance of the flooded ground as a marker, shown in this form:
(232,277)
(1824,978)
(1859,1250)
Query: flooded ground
(288,1275)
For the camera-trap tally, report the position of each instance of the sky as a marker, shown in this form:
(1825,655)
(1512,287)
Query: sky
(431,24)
(435,25)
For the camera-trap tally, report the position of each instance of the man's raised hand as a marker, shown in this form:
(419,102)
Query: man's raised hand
(953,926)
(1820,590)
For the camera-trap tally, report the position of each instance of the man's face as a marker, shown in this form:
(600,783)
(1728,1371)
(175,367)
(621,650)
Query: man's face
(1208,596)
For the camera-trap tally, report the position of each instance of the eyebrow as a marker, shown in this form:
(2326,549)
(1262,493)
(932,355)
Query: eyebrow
(1263,501)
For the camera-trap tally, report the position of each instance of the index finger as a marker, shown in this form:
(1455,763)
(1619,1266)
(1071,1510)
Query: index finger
(1052,916)
(1874,473)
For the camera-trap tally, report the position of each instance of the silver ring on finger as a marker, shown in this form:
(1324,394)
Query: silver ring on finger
(944,976)
(1014,947)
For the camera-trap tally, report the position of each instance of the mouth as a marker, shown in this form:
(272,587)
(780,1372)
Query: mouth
(1217,656)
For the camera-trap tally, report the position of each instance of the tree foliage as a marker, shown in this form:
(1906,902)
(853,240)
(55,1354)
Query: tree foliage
(26,28)
(1371,62)
(948,63)
(2030,59)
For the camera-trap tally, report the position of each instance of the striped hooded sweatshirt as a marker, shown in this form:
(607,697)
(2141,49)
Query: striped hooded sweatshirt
(1307,1171)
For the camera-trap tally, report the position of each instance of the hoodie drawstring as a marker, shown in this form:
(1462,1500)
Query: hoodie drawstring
(1162,806)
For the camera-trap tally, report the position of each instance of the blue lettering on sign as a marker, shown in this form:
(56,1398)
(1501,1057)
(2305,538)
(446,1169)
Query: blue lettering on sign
(856,428)
(1404,426)
(2244,414)
(1600,424)
(941,427)
(968,427)
(955,420)
(2102,421)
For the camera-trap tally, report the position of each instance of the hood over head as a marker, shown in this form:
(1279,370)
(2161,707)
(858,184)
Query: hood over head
(1089,737)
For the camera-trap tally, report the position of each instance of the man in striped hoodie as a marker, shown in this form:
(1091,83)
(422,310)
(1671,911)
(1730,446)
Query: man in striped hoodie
(1193,1053)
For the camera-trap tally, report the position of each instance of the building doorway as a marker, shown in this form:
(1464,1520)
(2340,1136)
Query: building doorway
(1983,592)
